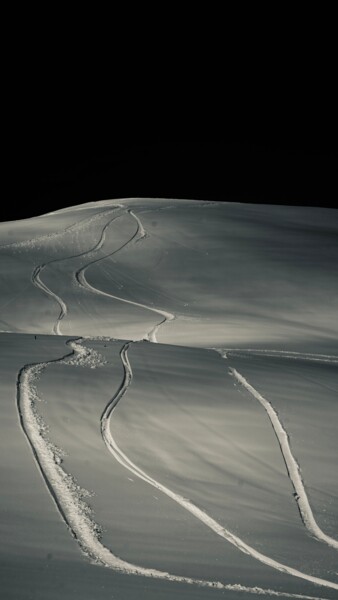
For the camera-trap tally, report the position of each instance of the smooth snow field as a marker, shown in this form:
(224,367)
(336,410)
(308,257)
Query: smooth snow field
(169,402)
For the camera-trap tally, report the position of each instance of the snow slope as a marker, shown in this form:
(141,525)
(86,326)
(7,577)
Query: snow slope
(169,401)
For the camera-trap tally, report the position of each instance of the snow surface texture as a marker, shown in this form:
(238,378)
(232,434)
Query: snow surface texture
(169,288)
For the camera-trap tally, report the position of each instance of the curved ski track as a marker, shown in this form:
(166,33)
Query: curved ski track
(81,279)
(48,236)
(64,490)
(322,358)
(292,466)
(36,280)
(184,502)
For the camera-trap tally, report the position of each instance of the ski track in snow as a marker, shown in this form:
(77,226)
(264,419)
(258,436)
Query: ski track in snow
(36,279)
(40,285)
(81,279)
(68,496)
(322,358)
(292,466)
(184,502)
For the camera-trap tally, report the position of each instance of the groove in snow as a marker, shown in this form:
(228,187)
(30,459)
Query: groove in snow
(292,466)
(324,358)
(184,502)
(36,279)
(69,497)
(81,279)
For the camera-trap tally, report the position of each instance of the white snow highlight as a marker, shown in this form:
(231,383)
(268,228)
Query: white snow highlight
(291,464)
(84,357)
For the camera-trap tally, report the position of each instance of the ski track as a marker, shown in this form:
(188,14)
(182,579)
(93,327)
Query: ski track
(292,466)
(36,279)
(81,279)
(67,494)
(326,358)
(40,285)
(184,502)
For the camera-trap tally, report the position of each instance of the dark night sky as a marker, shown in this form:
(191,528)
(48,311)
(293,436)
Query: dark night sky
(250,131)
(277,169)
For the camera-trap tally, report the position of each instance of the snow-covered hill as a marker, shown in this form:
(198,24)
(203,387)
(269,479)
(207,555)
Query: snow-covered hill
(169,381)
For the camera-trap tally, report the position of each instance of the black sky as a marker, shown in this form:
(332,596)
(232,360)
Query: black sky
(273,169)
